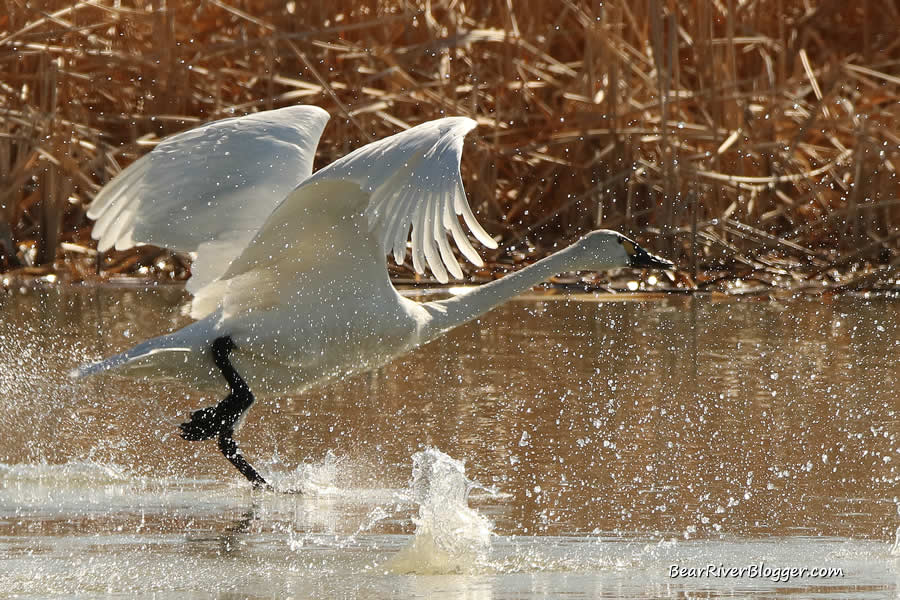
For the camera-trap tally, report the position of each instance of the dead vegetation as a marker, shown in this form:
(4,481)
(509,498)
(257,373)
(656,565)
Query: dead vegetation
(754,140)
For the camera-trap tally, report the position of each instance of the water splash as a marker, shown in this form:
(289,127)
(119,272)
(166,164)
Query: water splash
(450,536)
(312,478)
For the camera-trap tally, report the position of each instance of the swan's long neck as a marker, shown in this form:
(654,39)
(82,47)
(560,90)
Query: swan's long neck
(447,314)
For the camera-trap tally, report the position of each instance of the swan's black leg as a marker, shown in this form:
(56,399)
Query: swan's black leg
(231,451)
(220,420)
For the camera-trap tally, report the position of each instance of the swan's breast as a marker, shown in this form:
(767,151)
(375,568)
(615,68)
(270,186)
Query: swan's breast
(316,341)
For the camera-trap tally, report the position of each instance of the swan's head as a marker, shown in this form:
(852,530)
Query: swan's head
(605,249)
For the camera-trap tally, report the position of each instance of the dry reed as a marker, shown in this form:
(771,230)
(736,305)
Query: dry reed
(757,139)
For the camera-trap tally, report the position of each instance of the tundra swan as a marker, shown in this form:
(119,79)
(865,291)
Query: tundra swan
(290,286)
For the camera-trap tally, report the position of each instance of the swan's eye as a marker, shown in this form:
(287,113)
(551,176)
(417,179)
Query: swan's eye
(629,247)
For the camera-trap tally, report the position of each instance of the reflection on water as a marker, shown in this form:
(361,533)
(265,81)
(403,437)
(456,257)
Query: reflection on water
(614,439)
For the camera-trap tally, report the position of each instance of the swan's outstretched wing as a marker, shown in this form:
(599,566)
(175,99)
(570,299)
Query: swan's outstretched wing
(357,210)
(413,181)
(208,190)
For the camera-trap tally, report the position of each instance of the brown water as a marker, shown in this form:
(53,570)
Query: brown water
(609,440)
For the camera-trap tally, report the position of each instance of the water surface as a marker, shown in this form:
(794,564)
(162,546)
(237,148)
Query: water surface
(610,440)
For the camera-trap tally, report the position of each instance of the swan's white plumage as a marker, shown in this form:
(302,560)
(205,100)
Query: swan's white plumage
(208,190)
(293,271)
(290,267)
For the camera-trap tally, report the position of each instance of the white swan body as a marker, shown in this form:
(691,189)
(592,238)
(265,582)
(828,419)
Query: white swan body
(291,266)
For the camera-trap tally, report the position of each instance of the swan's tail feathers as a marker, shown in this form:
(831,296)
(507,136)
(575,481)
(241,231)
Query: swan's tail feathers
(166,355)
(144,350)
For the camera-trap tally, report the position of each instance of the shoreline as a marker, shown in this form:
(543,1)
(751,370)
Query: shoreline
(626,282)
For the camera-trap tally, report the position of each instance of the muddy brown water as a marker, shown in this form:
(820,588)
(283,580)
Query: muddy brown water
(607,439)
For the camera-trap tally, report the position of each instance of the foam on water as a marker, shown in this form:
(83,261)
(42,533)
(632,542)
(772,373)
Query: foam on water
(450,537)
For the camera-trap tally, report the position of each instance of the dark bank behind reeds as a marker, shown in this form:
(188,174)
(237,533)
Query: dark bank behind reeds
(754,139)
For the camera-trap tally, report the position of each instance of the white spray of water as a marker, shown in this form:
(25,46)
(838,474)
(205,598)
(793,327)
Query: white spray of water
(450,536)
(313,478)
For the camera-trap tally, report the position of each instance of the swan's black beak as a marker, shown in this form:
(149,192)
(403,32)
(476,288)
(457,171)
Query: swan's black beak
(641,259)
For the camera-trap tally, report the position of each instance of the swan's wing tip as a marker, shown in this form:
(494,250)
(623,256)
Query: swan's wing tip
(319,111)
(83,371)
(315,113)
(466,123)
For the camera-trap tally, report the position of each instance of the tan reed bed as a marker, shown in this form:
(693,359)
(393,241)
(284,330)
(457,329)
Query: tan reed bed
(754,139)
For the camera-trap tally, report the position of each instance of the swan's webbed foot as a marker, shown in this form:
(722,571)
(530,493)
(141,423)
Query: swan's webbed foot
(221,419)
(204,424)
